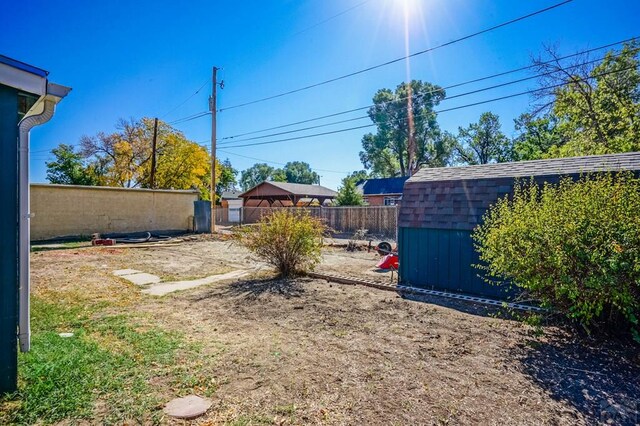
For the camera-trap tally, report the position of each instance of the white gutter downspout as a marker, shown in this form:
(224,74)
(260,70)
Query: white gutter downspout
(25,125)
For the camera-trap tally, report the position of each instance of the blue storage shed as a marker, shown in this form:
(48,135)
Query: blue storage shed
(441,207)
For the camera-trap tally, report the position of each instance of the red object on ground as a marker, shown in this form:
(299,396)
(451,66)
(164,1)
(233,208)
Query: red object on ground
(390,261)
(103,242)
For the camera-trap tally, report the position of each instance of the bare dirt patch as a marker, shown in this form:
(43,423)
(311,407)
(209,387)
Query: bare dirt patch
(310,352)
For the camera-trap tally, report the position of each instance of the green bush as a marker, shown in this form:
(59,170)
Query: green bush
(575,246)
(289,240)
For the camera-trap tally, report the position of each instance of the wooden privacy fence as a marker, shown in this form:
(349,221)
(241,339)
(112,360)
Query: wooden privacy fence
(377,220)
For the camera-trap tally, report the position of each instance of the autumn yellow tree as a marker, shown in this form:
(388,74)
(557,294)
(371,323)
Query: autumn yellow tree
(123,158)
(182,164)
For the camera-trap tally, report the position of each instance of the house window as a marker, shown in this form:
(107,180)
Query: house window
(391,201)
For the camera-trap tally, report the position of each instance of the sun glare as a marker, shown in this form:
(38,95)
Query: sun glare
(409,6)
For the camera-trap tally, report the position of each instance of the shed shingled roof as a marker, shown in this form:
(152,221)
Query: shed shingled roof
(456,198)
(550,167)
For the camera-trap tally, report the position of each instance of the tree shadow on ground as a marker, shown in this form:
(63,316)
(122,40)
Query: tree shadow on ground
(254,289)
(600,380)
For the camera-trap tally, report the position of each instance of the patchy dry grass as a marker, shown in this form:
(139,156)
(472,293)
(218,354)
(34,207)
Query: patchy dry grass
(294,352)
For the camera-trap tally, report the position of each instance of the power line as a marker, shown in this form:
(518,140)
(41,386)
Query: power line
(476,80)
(437,112)
(330,18)
(279,164)
(484,89)
(189,118)
(187,100)
(296,130)
(371,68)
(293,35)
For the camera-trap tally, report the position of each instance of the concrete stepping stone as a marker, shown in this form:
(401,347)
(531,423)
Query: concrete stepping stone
(187,408)
(170,287)
(121,272)
(137,277)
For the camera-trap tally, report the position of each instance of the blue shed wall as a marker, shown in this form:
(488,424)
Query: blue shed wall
(9,240)
(443,259)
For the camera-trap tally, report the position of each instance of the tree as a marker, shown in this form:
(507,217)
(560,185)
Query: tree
(378,157)
(123,152)
(300,172)
(408,135)
(227,179)
(181,164)
(348,194)
(278,175)
(536,137)
(124,157)
(597,104)
(255,175)
(69,168)
(358,176)
(293,172)
(482,142)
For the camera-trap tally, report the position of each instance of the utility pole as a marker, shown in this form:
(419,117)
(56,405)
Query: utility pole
(213,106)
(153,154)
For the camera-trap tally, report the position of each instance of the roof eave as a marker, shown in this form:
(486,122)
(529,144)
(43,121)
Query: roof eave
(22,80)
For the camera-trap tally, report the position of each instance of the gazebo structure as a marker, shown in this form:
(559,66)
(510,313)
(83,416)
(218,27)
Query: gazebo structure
(284,194)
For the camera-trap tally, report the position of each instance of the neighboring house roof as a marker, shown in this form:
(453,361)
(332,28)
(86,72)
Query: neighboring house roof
(382,186)
(230,195)
(288,191)
(523,169)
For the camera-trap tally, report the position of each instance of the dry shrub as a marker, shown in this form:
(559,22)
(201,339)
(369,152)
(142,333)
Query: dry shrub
(289,240)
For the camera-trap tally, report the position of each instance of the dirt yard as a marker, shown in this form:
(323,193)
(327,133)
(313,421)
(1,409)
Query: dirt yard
(311,352)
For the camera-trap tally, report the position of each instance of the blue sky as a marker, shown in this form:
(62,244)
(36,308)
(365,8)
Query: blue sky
(143,58)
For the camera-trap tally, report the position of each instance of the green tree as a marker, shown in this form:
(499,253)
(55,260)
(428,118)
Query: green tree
(69,168)
(227,180)
(300,172)
(278,175)
(255,175)
(597,104)
(358,176)
(348,194)
(482,142)
(293,172)
(408,135)
(536,137)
